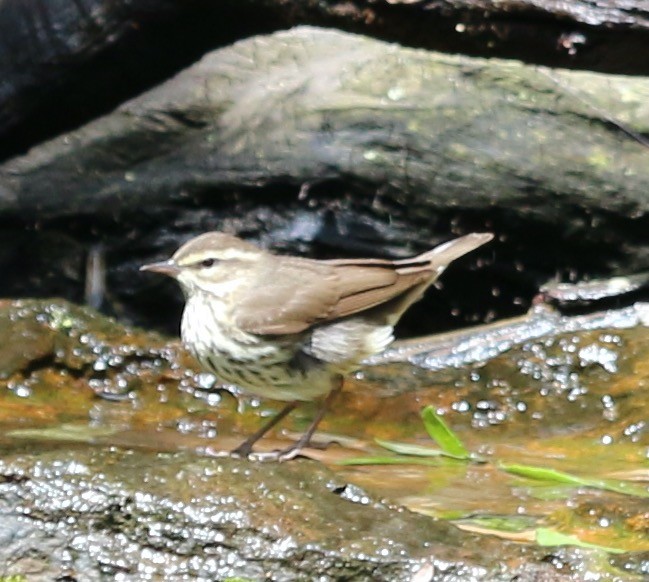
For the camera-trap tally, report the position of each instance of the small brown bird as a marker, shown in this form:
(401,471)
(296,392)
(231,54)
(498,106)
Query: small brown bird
(290,328)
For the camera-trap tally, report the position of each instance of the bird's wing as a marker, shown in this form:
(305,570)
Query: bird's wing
(367,285)
(411,278)
(304,292)
(292,294)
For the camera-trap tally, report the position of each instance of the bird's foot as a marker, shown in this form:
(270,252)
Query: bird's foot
(290,452)
(243,451)
(218,454)
(277,456)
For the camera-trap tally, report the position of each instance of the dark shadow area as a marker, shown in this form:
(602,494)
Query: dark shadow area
(499,280)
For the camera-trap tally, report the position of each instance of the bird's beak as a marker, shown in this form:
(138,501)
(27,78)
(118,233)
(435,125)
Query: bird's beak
(168,268)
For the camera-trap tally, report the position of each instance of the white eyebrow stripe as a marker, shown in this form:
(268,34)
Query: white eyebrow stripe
(236,254)
(219,254)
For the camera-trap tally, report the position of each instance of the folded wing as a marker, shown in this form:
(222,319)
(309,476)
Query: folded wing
(308,292)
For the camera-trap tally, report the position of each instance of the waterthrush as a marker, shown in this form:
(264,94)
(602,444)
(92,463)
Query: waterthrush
(291,328)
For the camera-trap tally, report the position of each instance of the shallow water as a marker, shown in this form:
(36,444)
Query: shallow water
(574,401)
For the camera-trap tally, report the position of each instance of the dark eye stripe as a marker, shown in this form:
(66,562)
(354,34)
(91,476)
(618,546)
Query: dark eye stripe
(202,264)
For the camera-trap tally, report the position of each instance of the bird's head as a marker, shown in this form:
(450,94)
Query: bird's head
(214,262)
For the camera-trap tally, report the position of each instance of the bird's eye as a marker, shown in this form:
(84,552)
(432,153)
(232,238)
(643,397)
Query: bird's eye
(208,263)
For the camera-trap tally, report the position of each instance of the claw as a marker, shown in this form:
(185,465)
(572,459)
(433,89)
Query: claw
(277,456)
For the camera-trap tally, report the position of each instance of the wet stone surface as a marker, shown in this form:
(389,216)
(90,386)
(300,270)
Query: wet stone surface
(108,438)
(125,513)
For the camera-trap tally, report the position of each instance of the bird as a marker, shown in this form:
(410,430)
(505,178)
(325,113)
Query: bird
(291,328)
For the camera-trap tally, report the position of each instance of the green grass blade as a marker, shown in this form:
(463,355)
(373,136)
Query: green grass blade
(409,449)
(390,461)
(423,451)
(447,440)
(554,476)
(541,474)
(549,537)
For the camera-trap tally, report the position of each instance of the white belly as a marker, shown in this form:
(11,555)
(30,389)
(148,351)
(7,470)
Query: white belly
(248,361)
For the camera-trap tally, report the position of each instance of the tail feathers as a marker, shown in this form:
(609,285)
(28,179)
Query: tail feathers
(424,270)
(440,257)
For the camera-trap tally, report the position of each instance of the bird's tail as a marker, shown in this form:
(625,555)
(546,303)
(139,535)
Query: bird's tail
(443,255)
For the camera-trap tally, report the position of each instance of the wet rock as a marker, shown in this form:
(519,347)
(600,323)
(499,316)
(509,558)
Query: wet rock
(194,134)
(551,369)
(70,359)
(106,51)
(30,342)
(99,513)
(108,438)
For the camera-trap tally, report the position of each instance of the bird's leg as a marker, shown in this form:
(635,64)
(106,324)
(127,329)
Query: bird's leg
(294,450)
(245,448)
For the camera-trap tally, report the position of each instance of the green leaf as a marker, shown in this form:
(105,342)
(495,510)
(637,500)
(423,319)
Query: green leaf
(550,537)
(554,476)
(390,461)
(443,435)
(422,451)
(409,449)
(541,473)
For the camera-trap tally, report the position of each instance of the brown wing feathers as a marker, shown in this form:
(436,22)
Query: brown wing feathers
(367,283)
(308,292)
(304,291)
(372,286)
